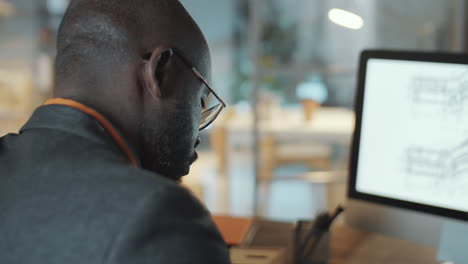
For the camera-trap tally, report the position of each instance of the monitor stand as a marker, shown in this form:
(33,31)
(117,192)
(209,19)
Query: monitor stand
(453,242)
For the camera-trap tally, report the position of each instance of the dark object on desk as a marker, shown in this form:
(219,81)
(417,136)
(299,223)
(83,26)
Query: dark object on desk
(314,247)
(249,232)
(244,234)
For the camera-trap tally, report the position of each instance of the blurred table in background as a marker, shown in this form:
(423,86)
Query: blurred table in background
(327,136)
(328,124)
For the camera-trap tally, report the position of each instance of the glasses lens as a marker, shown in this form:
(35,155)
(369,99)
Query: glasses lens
(210,101)
(209,115)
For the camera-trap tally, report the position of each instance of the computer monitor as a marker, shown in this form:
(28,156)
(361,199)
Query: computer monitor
(410,147)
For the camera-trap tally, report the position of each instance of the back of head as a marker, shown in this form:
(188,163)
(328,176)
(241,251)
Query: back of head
(105,47)
(112,52)
(106,35)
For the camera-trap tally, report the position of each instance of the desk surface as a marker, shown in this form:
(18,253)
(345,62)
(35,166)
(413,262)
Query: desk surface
(350,246)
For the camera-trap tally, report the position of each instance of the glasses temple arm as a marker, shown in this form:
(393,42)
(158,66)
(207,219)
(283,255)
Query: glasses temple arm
(208,85)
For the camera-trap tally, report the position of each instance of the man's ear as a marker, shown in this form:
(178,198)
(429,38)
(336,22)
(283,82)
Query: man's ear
(154,70)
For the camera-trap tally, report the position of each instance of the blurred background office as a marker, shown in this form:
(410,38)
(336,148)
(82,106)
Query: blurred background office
(287,69)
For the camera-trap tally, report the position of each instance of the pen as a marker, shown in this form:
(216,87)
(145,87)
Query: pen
(321,226)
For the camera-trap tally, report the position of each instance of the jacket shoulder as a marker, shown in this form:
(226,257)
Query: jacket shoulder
(169,225)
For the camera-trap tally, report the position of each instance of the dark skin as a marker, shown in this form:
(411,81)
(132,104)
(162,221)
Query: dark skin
(143,87)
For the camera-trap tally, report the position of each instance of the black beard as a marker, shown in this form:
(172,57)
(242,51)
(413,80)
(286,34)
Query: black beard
(166,147)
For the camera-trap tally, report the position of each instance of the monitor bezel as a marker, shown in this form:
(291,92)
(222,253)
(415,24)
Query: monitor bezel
(455,58)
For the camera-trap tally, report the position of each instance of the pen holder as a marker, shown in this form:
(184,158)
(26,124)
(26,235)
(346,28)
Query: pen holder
(312,247)
(320,253)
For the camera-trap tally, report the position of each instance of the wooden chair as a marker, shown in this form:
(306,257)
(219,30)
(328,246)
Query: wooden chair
(274,154)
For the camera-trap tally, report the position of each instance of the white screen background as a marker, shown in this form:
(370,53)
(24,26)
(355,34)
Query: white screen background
(414,133)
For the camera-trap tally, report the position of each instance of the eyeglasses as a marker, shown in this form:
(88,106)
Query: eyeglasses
(212,104)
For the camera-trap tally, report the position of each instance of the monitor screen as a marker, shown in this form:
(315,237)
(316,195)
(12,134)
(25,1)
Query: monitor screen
(411,141)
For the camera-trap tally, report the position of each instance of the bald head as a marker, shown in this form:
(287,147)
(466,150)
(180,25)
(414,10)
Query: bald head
(109,33)
(118,57)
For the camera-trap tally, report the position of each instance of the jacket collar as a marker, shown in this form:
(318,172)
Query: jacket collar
(75,118)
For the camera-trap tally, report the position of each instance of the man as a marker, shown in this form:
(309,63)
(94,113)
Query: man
(93,175)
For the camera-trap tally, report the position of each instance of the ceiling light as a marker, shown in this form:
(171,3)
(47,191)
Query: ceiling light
(345,18)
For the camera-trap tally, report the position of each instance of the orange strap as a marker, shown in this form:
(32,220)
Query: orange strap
(102,120)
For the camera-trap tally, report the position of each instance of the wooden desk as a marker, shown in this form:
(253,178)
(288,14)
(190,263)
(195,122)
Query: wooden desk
(351,246)
(348,245)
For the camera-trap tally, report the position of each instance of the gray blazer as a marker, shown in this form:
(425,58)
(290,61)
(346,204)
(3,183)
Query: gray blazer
(69,195)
